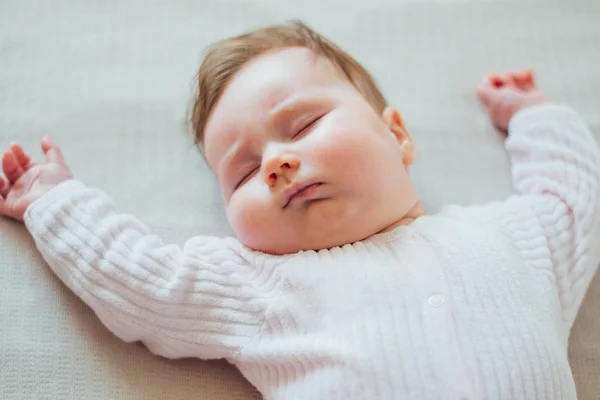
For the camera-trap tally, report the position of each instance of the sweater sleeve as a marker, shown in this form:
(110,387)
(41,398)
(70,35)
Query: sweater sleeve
(203,300)
(556,169)
(554,218)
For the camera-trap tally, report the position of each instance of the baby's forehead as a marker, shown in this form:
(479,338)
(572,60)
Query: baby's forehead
(275,76)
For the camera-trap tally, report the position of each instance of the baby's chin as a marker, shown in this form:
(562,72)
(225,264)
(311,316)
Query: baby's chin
(292,245)
(322,227)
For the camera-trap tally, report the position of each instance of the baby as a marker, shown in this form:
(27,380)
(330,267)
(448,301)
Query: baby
(338,285)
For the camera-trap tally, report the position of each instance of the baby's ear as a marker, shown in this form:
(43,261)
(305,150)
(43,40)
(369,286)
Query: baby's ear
(393,120)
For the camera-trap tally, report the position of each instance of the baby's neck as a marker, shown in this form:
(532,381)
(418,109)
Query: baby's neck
(414,213)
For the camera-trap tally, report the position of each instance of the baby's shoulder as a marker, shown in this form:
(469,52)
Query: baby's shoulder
(458,224)
(500,214)
(515,219)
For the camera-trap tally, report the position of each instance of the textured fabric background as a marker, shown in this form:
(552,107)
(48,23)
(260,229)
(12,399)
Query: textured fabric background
(111,82)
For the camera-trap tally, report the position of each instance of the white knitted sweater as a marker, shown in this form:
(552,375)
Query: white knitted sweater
(472,303)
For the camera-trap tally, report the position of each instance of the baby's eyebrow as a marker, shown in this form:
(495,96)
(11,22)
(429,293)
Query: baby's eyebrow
(291,105)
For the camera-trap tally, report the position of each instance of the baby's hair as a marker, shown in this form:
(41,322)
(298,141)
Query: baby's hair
(227,57)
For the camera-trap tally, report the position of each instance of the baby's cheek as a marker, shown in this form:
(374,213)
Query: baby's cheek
(249,217)
(347,149)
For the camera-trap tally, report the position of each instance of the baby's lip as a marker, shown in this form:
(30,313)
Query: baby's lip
(299,190)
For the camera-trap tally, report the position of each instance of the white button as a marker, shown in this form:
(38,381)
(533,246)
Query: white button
(436,300)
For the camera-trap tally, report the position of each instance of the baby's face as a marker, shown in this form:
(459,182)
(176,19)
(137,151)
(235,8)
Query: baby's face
(304,162)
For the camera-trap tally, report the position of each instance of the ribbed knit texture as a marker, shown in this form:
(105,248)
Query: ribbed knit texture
(475,302)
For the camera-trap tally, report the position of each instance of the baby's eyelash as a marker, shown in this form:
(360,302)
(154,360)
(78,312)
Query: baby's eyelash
(246,177)
(307,126)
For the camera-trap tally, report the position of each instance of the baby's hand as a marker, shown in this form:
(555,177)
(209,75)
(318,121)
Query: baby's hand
(504,95)
(26,181)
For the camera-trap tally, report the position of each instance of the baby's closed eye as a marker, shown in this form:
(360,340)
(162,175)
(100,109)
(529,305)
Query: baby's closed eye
(305,127)
(245,176)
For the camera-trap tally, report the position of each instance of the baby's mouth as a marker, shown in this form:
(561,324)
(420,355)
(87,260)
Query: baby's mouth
(301,192)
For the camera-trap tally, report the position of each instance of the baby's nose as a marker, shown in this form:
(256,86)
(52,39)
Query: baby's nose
(280,167)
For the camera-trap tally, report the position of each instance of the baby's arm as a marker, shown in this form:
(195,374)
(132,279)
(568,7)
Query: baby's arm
(556,162)
(202,300)
(556,170)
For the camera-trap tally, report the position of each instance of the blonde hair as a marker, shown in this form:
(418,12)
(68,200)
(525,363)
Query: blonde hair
(227,57)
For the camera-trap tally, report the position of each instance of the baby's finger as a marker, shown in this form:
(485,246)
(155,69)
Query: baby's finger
(497,81)
(485,95)
(4,187)
(11,167)
(524,75)
(52,151)
(523,79)
(529,80)
(22,158)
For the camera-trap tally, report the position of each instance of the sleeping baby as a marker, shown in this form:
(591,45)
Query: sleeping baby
(338,285)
